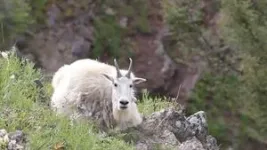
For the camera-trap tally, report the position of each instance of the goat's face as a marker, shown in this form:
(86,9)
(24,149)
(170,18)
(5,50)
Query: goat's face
(123,87)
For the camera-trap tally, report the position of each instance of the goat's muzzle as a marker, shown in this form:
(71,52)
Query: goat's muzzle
(124,104)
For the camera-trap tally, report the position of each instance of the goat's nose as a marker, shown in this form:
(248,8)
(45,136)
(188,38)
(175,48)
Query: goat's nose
(124,102)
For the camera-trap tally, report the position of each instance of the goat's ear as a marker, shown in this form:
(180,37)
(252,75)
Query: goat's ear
(137,80)
(108,77)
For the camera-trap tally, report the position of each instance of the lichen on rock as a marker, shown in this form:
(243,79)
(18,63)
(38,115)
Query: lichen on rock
(170,129)
(12,141)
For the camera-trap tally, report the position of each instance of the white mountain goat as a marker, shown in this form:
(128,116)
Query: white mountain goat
(98,91)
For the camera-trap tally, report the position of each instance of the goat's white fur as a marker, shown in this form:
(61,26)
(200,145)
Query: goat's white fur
(58,76)
(83,85)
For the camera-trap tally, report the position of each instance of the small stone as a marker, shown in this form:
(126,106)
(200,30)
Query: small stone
(12,76)
(17,136)
(142,146)
(19,147)
(81,48)
(3,132)
(123,22)
(178,124)
(6,139)
(29,57)
(12,145)
(198,125)
(192,144)
(211,143)
(110,11)
(5,54)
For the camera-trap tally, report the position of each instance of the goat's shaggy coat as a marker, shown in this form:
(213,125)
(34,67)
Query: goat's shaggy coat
(81,89)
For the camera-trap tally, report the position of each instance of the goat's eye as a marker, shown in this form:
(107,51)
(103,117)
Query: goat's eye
(131,85)
(115,84)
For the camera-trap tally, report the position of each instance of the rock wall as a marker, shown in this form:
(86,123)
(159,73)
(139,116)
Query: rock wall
(67,38)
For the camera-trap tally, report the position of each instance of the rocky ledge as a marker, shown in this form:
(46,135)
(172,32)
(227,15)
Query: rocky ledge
(170,129)
(166,129)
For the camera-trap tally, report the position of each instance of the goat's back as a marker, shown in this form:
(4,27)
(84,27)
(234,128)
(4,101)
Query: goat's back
(59,75)
(92,90)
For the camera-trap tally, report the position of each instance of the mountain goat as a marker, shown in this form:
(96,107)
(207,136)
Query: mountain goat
(98,91)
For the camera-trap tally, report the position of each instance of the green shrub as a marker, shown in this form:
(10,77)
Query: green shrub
(216,94)
(16,16)
(244,26)
(107,34)
(109,37)
(185,25)
(38,10)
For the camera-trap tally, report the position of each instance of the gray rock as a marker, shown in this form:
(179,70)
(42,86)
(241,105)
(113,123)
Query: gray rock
(3,132)
(192,144)
(12,141)
(12,145)
(18,136)
(123,22)
(80,48)
(170,129)
(211,143)
(198,125)
(110,11)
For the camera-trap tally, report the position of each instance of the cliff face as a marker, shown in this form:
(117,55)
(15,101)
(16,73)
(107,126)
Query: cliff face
(71,34)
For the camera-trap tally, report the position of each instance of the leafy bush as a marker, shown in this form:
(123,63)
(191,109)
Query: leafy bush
(245,27)
(107,36)
(38,9)
(16,16)
(216,94)
(185,26)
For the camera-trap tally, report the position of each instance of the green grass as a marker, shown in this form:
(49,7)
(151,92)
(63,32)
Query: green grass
(150,105)
(22,107)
